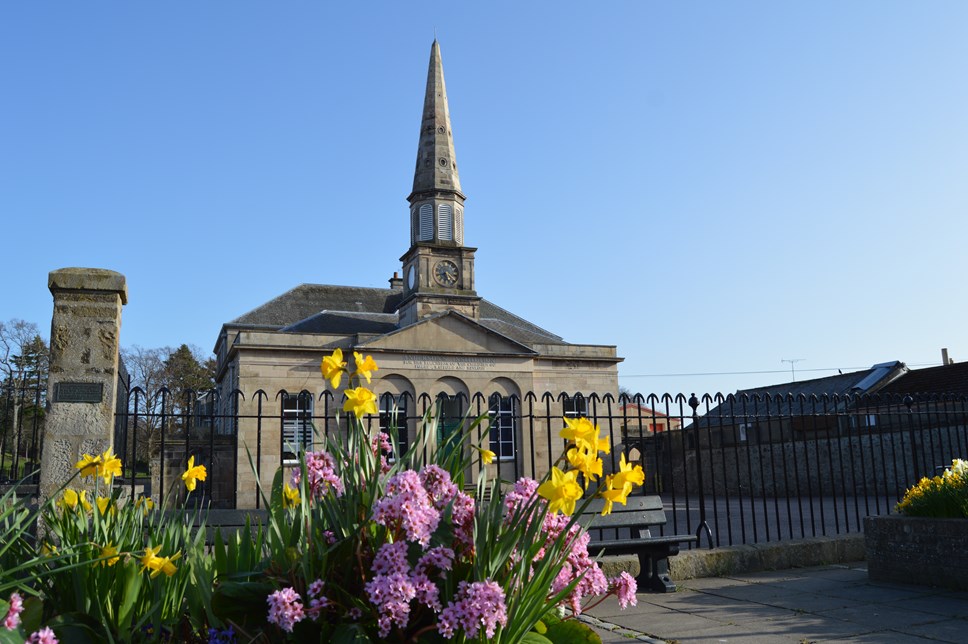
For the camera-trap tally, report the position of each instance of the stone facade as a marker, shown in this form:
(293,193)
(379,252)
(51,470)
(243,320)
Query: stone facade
(82,387)
(431,333)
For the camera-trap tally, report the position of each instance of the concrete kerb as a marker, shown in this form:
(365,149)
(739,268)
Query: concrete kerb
(731,560)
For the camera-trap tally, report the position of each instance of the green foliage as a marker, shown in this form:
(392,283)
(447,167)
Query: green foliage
(944,496)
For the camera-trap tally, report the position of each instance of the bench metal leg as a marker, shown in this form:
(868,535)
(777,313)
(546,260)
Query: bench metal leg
(654,574)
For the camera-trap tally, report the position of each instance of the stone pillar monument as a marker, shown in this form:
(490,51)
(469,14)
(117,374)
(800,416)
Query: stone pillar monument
(82,388)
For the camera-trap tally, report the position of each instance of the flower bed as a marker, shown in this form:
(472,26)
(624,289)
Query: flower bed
(926,543)
(356,548)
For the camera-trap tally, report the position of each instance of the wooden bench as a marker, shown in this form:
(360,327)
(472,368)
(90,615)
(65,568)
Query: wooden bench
(633,529)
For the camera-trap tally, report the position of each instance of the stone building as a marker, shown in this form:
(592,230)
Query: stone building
(431,333)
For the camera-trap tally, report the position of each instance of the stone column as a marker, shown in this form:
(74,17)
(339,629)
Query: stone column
(82,388)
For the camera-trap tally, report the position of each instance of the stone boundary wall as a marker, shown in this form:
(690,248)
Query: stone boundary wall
(874,463)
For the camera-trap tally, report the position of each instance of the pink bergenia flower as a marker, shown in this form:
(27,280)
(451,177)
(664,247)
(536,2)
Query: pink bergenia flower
(478,604)
(321,474)
(436,480)
(625,589)
(440,558)
(12,620)
(462,516)
(406,506)
(285,609)
(43,636)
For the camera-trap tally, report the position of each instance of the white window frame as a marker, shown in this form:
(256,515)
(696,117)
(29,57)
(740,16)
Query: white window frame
(503,428)
(297,427)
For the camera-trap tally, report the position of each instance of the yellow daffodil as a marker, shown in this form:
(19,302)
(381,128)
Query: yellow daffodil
(333,367)
(290,496)
(611,494)
(145,503)
(562,491)
(88,465)
(68,500)
(48,550)
(586,462)
(84,502)
(629,475)
(583,432)
(110,466)
(151,561)
(109,551)
(487,456)
(364,366)
(360,401)
(193,474)
(103,504)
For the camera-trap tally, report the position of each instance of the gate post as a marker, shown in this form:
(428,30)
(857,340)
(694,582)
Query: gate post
(83,383)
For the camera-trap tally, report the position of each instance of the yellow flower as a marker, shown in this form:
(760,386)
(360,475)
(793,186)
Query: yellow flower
(562,490)
(48,550)
(364,366)
(151,561)
(88,465)
(487,456)
(68,500)
(109,551)
(613,494)
(84,502)
(333,367)
(360,401)
(145,501)
(583,432)
(629,475)
(193,474)
(586,462)
(110,466)
(290,496)
(103,503)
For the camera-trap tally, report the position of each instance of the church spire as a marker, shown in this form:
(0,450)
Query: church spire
(436,169)
(438,268)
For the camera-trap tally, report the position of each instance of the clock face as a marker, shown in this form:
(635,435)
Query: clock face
(411,277)
(445,272)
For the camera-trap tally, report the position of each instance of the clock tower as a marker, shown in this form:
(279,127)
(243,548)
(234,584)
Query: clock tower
(438,270)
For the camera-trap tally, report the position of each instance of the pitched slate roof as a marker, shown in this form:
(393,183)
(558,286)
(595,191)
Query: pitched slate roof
(944,379)
(784,398)
(324,308)
(308,300)
(854,383)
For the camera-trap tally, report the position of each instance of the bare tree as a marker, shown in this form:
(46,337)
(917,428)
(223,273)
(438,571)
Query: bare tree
(24,367)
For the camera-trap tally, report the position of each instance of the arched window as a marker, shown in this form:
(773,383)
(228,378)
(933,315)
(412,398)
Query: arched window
(445,222)
(426,222)
(503,426)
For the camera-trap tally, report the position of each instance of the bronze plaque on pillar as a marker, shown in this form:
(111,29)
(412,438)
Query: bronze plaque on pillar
(82,392)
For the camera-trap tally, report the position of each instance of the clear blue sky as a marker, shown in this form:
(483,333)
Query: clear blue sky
(710,186)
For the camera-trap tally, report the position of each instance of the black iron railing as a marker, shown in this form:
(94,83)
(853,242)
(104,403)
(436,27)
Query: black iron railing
(732,470)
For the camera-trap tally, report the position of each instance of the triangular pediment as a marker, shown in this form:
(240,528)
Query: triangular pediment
(448,332)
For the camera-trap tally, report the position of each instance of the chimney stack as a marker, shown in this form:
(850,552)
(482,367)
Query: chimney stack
(944,357)
(396,282)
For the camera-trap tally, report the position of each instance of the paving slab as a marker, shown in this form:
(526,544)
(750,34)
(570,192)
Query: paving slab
(822,604)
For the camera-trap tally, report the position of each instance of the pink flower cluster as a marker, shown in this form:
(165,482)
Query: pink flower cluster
(12,620)
(579,565)
(381,446)
(321,474)
(395,584)
(317,601)
(478,604)
(43,636)
(625,588)
(413,504)
(285,609)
